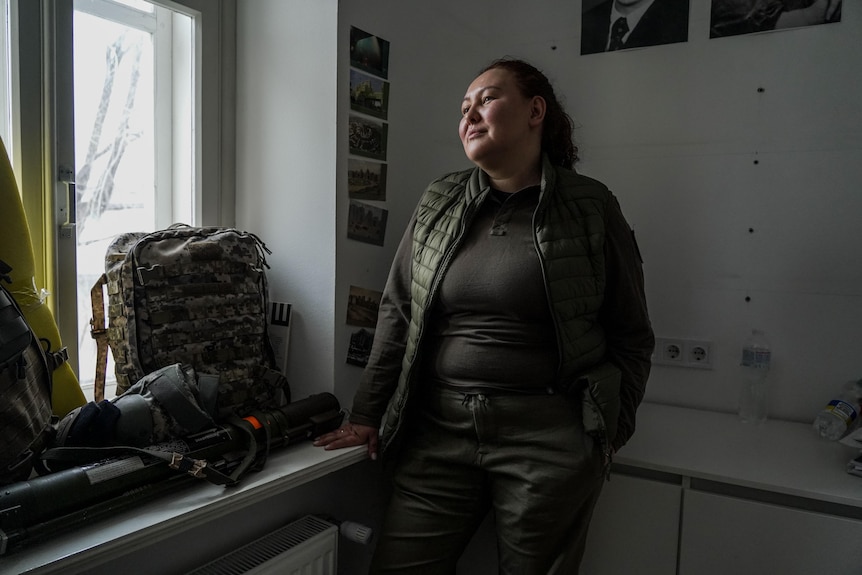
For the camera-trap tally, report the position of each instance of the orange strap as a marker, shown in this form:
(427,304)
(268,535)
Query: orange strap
(99,332)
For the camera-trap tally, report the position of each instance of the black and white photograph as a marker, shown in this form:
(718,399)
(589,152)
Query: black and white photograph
(369,53)
(735,17)
(366,223)
(368,138)
(611,25)
(369,95)
(366,180)
(362,305)
(360,347)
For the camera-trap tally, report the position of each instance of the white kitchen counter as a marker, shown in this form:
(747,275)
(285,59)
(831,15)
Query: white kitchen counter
(777,456)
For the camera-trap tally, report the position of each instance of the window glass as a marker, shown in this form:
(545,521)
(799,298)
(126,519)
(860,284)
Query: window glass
(118,140)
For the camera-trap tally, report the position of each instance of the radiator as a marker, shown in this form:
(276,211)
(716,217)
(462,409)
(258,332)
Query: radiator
(307,546)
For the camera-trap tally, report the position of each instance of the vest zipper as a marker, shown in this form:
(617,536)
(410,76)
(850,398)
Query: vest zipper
(438,277)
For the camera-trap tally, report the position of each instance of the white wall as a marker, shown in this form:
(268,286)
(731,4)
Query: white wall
(676,131)
(427,76)
(673,130)
(286,182)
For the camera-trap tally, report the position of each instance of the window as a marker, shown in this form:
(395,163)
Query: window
(131,66)
(113,134)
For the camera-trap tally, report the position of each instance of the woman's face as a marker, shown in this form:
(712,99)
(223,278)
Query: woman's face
(497,121)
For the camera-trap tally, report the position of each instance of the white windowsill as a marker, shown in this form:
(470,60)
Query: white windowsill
(173,513)
(779,457)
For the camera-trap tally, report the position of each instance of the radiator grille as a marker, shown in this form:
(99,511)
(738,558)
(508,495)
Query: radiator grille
(307,546)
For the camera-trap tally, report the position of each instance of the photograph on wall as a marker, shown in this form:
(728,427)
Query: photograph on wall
(360,347)
(369,95)
(366,180)
(362,306)
(368,138)
(606,27)
(369,53)
(366,223)
(735,17)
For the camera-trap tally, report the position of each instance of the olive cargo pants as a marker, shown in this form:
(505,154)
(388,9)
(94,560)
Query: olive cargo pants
(524,456)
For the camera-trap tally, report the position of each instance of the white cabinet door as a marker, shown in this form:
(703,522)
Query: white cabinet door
(635,528)
(723,535)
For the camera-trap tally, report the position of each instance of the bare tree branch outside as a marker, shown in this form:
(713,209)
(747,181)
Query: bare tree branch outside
(93,200)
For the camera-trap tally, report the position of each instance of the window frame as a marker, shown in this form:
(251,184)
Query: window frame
(168,132)
(39,150)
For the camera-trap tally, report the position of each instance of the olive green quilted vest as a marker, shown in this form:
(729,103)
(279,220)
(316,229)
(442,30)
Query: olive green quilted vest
(570,233)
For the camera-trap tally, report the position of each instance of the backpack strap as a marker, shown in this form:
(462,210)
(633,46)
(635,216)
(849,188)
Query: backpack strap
(99,332)
(55,358)
(15,334)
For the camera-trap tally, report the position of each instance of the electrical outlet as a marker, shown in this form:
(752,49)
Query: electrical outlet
(671,351)
(698,354)
(683,352)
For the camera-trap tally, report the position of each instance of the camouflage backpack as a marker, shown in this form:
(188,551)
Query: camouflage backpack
(26,420)
(190,295)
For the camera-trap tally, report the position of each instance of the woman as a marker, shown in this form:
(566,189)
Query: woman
(512,344)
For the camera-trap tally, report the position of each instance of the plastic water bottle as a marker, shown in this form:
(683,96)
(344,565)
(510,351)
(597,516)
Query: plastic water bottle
(756,357)
(841,415)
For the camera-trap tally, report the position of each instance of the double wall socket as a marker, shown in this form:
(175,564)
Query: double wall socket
(683,352)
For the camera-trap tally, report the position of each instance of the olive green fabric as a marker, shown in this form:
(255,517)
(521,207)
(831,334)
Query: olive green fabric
(471,453)
(569,225)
